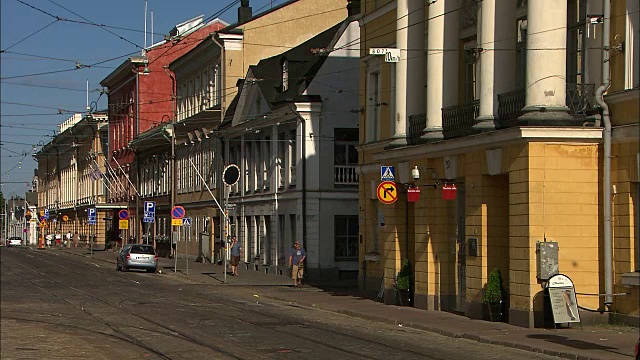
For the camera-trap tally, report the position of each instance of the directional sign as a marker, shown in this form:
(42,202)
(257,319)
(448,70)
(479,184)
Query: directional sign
(186,221)
(387,173)
(178,212)
(46,214)
(123,214)
(387,192)
(149,211)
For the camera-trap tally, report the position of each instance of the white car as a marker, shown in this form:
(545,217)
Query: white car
(14,241)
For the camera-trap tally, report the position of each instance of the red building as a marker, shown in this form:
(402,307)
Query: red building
(141,96)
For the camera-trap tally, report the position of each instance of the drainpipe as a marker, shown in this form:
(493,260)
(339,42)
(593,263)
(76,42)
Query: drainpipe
(606,82)
(220,140)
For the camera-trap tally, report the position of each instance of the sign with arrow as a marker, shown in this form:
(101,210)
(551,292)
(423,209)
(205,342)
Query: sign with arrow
(387,192)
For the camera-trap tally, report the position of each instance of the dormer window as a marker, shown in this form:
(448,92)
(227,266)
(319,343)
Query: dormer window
(285,75)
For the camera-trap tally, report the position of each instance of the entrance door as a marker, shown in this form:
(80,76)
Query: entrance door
(461,253)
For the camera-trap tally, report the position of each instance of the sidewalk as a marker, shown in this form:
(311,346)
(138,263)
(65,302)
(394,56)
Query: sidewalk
(592,342)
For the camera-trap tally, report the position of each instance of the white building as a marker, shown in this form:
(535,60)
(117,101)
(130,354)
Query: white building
(294,136)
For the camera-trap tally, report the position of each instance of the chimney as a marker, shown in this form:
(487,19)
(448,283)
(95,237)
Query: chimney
(353,7)
(244,11)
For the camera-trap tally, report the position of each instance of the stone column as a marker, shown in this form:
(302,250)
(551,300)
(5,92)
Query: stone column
(496,38)
(545,102)
(409,95)
(442,66)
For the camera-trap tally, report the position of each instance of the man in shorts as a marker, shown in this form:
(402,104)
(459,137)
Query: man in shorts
(236,251)
(296,261)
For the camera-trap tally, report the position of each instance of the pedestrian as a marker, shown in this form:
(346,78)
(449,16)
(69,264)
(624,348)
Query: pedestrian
(296,262)
(236,251)
(68,240)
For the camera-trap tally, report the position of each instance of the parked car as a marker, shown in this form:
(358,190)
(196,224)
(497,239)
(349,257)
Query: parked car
(137,256)
(638,349)
(14,241)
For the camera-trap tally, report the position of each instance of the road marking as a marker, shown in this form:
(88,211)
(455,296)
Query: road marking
(96,265)
(136,282)
(29,255)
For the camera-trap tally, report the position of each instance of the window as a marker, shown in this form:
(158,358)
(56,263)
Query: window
(293,157)
(373,103)
(285,75)
(521,54)
(576,37)
(345,156)
(632,46)
(346,236)
(470,71)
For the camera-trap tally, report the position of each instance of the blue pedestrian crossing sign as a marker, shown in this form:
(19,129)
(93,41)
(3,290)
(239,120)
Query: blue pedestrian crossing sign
(149,211)
(186,221)
(387,173)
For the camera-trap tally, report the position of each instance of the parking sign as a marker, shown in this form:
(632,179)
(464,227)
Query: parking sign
(92,216)
(149,211)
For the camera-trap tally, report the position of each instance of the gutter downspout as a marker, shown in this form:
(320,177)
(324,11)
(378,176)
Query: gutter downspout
(606,82)
(303,156)
(173,153)
(219,148)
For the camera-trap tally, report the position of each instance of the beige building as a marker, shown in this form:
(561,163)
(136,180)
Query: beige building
(71,169)
(498,99)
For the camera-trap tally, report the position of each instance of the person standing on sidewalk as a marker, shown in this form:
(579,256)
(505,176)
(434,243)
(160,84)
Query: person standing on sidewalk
(296,262)
(236,251)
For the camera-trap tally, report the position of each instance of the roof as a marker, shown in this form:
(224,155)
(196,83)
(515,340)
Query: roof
(233,27)
(303,66)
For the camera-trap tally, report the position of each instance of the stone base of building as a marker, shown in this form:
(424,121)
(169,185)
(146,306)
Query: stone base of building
(624,319)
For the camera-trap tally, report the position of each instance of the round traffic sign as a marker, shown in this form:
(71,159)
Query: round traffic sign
(178,212)
(65,217)
(231,174)
(123,214)
(387,192)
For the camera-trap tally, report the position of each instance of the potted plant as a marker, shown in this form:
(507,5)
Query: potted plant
(493,295)
(403,283)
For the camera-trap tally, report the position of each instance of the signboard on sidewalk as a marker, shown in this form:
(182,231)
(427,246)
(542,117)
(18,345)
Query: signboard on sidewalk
(564,304)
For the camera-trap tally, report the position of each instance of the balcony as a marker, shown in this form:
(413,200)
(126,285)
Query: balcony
(579,99)
(458,120)
(417,123)
(345,175)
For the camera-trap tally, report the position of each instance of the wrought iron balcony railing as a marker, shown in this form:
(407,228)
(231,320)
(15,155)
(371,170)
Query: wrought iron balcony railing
(417,123)
(579,99)
(458,120)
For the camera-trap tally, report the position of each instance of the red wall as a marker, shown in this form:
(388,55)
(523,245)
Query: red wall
(154,91)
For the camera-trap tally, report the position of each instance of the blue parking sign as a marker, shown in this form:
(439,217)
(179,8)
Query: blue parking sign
(92,216)
(149,211)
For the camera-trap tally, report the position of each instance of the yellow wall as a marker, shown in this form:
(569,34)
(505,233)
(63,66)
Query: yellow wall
(625,205)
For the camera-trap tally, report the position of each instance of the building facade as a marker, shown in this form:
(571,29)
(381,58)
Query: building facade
(142,96)
(206,85)
(496,99)
(72,178)
(294,136)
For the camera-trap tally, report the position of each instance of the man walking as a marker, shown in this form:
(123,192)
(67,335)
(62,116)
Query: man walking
(236,251)
(296,261)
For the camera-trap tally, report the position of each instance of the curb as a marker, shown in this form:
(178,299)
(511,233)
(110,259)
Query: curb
(443,332)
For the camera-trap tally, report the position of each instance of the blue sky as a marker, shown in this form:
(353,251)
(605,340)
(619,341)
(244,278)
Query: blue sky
(29,104)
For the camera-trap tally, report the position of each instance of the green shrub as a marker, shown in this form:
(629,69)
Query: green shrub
(403,280)
(493,292)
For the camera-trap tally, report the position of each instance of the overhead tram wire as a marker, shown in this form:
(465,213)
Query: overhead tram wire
(30,35)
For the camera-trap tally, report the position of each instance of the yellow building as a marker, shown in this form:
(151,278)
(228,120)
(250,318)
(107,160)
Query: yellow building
(498,98)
